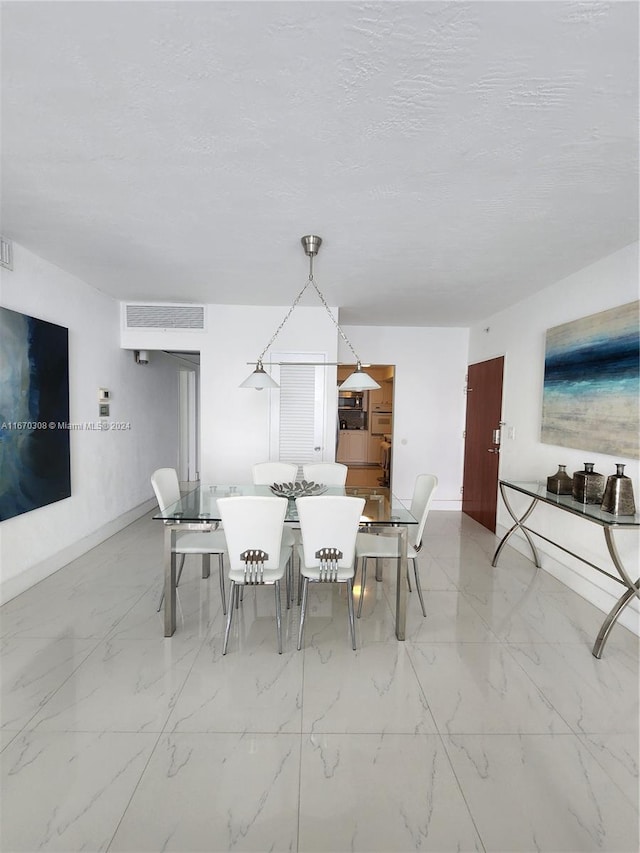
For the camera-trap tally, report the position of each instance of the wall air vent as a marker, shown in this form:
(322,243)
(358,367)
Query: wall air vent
(6,253)
(164,315)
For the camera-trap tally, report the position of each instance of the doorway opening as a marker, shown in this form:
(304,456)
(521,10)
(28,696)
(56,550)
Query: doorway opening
(365,428)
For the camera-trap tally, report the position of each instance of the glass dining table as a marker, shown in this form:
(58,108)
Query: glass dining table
(198,511)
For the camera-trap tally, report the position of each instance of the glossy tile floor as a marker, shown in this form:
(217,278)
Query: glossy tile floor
(491,728)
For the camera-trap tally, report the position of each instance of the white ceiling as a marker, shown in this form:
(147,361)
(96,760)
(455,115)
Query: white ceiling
(453,156)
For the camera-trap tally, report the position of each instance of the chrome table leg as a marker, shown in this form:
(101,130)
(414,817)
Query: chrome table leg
(519,522)
(633,589)
(169,581)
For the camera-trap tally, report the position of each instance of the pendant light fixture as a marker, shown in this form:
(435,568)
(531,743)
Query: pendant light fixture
(357,381)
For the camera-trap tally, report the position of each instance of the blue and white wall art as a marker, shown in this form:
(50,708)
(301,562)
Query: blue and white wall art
(34,413)
(591,383)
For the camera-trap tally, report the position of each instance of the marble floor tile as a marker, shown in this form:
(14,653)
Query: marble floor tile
(372,792)
(566,618)
(85,611)
(492,728)
(68,791)
(541,792)
(31,672)
(124,685)
(619,756)
(215,793)
(479,688)
(450,619)
(373,689)
(593,696)
(198,612)
(6,737)
(252,690)
(506,611)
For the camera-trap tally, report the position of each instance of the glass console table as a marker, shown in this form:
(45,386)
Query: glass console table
(198,510)
(608,522)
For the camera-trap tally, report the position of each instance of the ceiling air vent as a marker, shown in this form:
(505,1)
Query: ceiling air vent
(6,253)
(164,316)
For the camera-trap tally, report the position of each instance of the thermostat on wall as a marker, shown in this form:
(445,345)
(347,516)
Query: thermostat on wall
(103,410)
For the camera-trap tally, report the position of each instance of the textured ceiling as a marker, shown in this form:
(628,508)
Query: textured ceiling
(453,156)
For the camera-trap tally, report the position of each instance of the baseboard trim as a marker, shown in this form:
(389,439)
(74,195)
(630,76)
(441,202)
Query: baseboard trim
(11,587)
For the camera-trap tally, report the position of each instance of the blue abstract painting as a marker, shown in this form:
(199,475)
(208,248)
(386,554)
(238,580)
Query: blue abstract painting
(591,397)
(34,413)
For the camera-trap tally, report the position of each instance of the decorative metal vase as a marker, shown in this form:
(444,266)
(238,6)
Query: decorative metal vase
(618,495)
(588,485)
(560,483)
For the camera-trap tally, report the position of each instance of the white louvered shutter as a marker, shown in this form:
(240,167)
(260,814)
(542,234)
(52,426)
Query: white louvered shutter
(297,410)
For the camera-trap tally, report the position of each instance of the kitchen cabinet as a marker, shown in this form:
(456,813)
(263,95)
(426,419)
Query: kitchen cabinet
(352,446)
(380,399)
(373,449)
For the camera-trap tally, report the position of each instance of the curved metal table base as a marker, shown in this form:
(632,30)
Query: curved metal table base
(633,587)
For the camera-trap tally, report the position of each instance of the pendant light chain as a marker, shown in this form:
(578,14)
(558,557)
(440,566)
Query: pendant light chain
(295,302)
(288,314)
(335,322)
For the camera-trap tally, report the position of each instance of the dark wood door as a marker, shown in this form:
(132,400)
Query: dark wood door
(482,442)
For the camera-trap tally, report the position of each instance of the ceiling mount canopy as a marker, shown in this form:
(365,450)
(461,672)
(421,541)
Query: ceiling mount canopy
(357,381)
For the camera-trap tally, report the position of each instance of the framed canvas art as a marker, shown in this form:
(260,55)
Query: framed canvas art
(34,413)
(591,395)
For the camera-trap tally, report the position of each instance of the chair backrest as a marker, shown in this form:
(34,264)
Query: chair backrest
(267,473)
(251,521)
(329,521)
(166,487)
(421,503)
(329,473)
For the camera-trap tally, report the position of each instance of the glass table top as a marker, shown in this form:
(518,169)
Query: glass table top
(592,511)
(201,504)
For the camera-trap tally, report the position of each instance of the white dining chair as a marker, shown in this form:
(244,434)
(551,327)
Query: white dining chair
(253,527)
(329,526)
(327,473)
(368,545)
(167,491)
(266,474)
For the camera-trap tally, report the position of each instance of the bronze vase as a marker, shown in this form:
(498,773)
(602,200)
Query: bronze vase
(588,485)
(560,483)
(618,495)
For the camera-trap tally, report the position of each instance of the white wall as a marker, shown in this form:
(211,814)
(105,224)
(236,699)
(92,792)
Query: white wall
(110,470)
(429,409)
(429,402)
(518,333)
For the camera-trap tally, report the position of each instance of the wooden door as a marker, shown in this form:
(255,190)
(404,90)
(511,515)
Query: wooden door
(482,441)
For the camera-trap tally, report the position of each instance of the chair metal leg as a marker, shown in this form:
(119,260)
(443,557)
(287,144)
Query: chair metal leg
(351,619)
(222,590)
(206,566)
(233,594)
(182,556)
(303,610)
(363,580)
(278,616)
(408,579)
(289,581)
(418,587)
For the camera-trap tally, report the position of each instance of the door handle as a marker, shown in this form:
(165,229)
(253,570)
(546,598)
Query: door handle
(493,449)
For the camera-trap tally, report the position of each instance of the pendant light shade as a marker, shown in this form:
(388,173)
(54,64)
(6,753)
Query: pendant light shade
(259,379)
(357,381)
